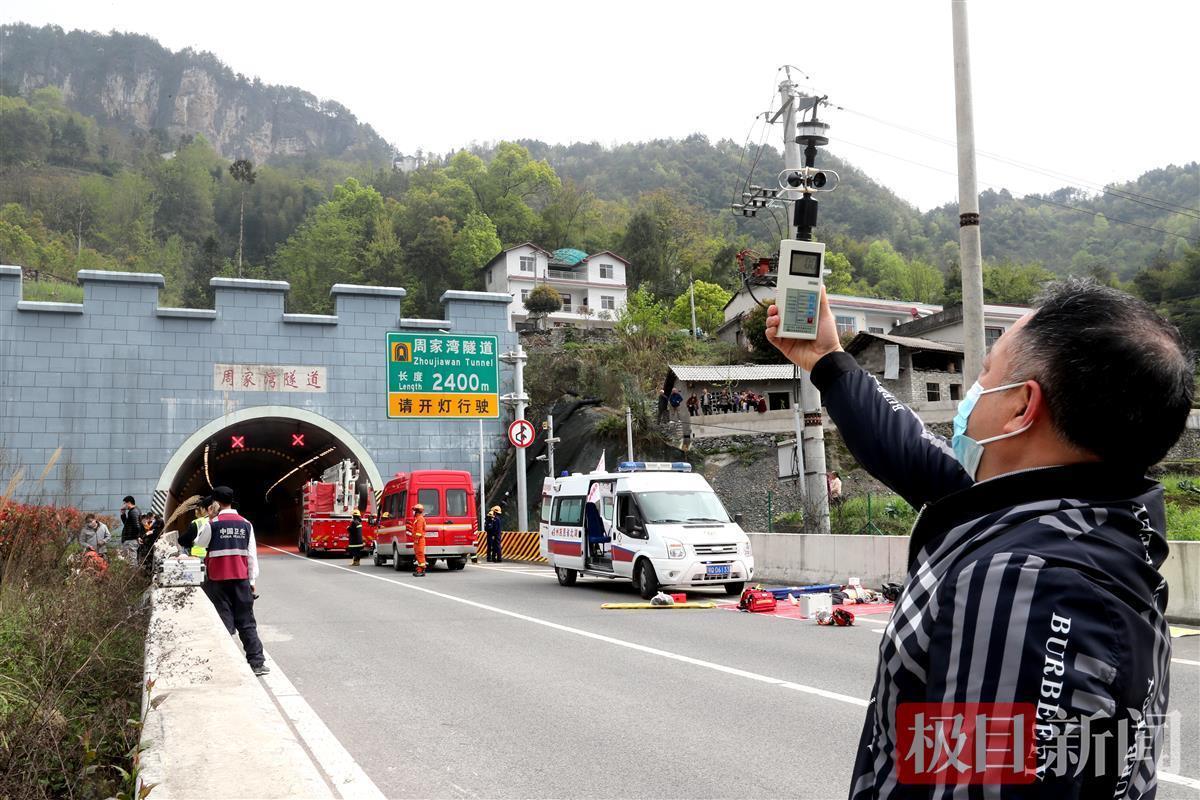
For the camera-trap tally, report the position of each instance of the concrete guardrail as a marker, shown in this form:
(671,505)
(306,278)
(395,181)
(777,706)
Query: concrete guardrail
(204,708)
(811,558)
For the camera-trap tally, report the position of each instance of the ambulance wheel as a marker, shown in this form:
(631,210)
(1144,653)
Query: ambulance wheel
(456,563)
(566,577)
(734,589)
(646,580)
(396,565)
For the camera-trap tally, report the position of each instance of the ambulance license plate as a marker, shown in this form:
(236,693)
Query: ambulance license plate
(718,570)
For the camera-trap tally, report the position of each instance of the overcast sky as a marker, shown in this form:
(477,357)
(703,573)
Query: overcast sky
(1090,89)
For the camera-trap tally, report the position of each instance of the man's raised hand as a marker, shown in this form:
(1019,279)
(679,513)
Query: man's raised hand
(806,352)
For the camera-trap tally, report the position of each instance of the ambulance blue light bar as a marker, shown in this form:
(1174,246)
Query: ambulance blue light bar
(654,466)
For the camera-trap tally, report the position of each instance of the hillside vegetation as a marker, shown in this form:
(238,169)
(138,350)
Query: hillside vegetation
(84,184)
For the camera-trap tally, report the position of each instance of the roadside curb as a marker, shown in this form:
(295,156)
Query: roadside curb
(211,729)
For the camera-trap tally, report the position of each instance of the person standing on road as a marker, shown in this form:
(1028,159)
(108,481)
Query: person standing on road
(131,528)
(1034,563)
(231,570)
(354,537)
(417,532)
(494,525)
(187,539)
(94,536)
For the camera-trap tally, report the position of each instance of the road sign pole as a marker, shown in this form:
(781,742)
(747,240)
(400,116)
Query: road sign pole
(482,489)
(519,400)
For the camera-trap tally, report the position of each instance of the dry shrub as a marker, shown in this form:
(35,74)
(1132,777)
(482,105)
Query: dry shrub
(71,653)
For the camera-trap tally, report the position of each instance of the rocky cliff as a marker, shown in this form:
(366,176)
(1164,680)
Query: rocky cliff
(132,82)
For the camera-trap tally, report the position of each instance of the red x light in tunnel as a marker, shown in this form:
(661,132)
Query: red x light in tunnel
(297,440)
(237,442)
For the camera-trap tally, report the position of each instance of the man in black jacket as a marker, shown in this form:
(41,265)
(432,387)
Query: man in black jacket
(1033,565)
(131,528)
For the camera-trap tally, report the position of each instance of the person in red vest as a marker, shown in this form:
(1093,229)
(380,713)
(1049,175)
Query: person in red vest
(231,568)
(417,531)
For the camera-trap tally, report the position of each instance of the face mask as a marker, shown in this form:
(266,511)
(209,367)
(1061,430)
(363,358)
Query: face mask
(967,450)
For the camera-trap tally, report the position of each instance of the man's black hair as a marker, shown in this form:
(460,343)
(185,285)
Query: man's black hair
(1117,377)
(129,499)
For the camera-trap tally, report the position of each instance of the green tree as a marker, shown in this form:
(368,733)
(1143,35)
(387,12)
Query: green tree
(642,323)
(474,245)
(428,264)
(184,187)
(332,245)
(543,299)
(754,325)
(242,171)
(24,134)
(204,265)
(710,307)
(840,279)
(505,187)
(1016,284)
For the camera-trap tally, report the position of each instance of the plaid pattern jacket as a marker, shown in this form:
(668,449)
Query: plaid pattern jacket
(1038,587)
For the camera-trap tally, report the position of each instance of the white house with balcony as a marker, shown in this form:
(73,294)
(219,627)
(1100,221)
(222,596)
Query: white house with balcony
(592,287)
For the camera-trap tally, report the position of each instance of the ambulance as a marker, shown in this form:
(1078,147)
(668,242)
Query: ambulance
(657,524)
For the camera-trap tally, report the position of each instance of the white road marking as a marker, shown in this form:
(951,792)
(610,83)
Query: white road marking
(1182,780)
(641,648)
(1185,661)
(1168,777)
(344,772)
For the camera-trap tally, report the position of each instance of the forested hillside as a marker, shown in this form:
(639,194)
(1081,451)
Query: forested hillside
(82,188)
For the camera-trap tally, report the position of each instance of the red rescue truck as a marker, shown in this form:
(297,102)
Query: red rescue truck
(451,519)
(328,505)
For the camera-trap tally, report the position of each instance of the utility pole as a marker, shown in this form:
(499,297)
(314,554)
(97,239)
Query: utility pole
(482,489)
(810,437)
(692,292)
(970,252)
(519,400)
(629,432)
(551,440)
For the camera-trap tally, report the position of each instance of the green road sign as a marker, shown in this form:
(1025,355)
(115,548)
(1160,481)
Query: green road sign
(442,376)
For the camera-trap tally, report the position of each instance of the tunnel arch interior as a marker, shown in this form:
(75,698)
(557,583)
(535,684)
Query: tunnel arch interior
(266,458)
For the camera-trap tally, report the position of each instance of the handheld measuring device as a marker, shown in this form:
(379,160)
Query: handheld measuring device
(801,271)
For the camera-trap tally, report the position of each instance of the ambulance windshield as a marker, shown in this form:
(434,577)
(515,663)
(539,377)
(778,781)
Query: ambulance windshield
(678,507)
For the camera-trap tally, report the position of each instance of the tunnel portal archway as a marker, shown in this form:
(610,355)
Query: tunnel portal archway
(266,456)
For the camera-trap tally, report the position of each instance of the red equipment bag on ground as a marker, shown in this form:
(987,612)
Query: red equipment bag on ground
(756,599)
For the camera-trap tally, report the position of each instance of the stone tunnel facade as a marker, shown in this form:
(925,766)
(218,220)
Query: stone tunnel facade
(126,391)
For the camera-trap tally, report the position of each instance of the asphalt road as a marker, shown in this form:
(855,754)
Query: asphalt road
(497,682)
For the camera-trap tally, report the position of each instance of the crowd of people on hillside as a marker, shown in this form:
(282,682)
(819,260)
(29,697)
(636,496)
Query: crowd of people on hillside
(721,401)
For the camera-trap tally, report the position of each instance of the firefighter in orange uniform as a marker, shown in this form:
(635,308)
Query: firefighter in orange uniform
(417,531)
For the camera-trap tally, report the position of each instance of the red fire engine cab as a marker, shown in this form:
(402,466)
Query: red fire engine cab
(328,505)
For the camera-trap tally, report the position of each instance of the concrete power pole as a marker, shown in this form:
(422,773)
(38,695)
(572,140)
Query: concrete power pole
(692,293)
(810,439)
(970,252)
(519,400)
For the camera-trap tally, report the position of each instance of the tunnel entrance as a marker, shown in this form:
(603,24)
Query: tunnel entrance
(266,460)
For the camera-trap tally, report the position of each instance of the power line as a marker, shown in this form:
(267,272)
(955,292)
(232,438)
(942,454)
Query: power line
(1034,197)
(1134,197)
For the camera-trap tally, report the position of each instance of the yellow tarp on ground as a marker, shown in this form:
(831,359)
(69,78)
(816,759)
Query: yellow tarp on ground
(1176,632)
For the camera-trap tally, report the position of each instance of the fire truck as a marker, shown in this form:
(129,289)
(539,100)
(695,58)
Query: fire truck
(327,507)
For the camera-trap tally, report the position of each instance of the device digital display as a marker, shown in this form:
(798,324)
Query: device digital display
(805,265)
